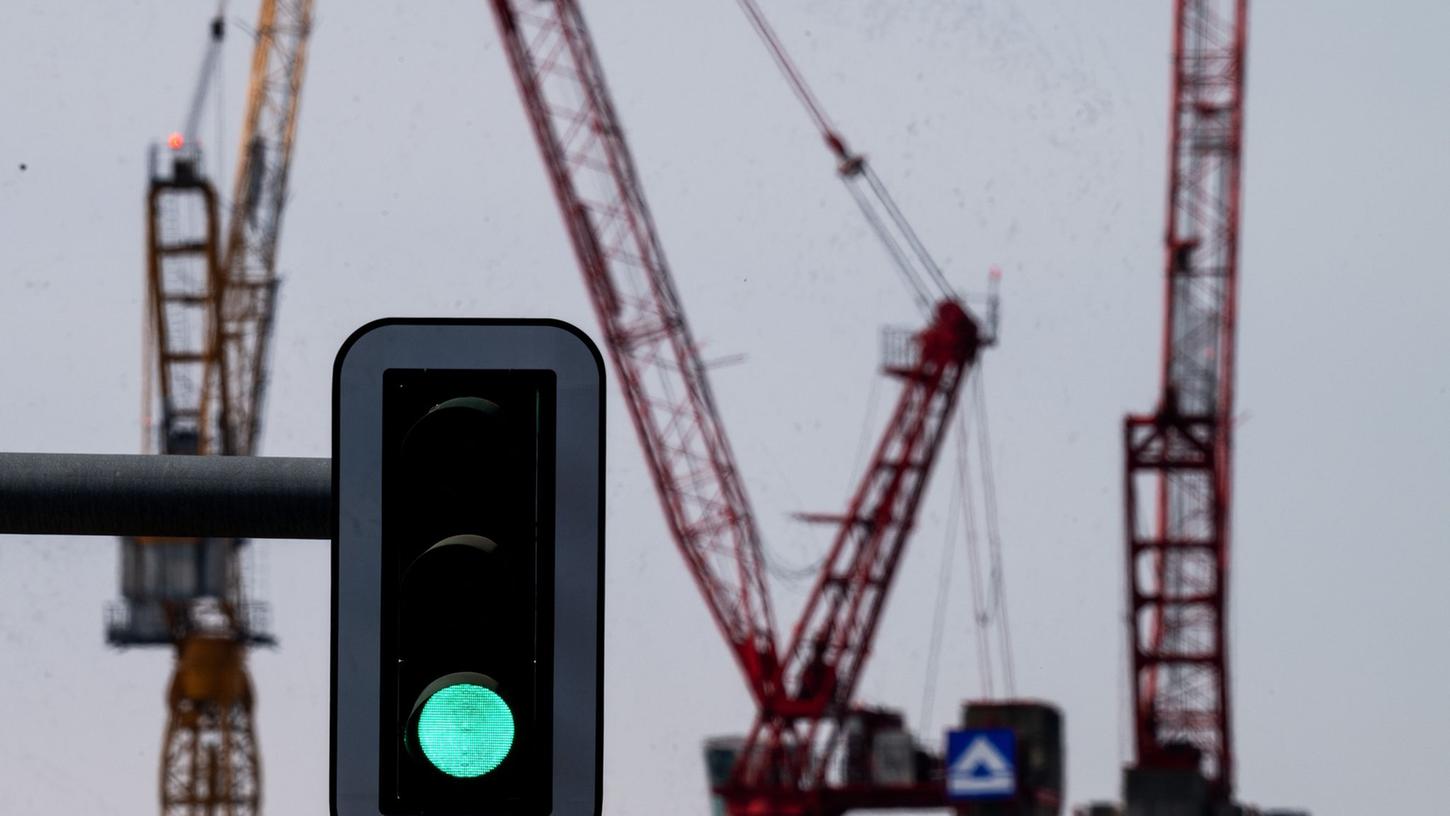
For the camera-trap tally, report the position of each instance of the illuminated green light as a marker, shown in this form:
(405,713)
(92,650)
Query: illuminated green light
(465,730)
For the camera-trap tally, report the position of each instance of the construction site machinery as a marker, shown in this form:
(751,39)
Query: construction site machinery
(791,761)
(210,313)
(1178,459)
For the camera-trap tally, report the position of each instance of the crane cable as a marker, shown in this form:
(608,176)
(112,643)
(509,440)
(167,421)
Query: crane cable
(962,508)
(997,577)
(853,168)
(981,612)
(899,219)
(988,592)
(903,264)
(938,618)
(795,78)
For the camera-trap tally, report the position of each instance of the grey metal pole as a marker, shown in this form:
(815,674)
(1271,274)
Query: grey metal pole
(204,496)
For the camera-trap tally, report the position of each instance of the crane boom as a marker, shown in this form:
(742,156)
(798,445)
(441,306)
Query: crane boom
(259,191)
(654,353)
(1178,459)
(787,754)
(801,700)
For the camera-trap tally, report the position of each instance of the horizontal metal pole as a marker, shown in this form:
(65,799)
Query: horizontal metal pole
(132,495)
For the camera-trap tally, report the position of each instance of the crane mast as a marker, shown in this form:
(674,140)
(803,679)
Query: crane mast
(211,316)
(649,340)
(188,592)
(1178,458)
(182,274)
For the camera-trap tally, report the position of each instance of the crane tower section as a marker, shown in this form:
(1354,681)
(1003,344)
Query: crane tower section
(182,273)
(175,587)
(188,592)
(1178,459)
(653,351)
(210,319)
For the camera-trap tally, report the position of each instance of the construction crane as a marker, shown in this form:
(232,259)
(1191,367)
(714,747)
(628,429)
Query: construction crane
(1178,475)
(210,314)
(804,694)
(649,339)
(786,760)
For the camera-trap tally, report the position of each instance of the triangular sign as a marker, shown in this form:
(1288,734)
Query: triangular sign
(981,769)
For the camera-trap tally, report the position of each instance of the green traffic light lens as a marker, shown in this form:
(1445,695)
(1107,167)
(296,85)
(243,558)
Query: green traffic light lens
(465,730)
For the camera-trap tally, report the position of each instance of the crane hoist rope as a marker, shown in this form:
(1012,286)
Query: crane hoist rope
(939,611)
(921,273)
(996,601)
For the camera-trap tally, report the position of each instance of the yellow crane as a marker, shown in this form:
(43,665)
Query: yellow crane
(210,313)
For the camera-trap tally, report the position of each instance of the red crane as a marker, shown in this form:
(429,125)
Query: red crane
(803,694)
(1178,459)
(788,756)
(649,340)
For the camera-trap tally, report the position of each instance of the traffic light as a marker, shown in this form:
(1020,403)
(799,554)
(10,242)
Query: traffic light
(467,619)
(467,599)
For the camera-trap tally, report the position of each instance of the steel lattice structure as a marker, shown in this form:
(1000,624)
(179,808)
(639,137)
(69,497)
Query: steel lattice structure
(648,337)
(188,592)
(211,313)
(802,697)
(259,193)
(1178,459)
(209,759)
(183,275)
(791,751)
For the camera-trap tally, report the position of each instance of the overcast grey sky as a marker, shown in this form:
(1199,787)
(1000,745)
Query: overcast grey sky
(1025,134)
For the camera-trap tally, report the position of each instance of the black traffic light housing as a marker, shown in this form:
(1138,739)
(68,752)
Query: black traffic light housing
(467,559)
(467,522)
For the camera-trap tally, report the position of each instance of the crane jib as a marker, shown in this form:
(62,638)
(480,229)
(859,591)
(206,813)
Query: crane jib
(804,690)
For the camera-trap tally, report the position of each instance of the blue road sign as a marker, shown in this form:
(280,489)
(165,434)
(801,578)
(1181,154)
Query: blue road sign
(981,764)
